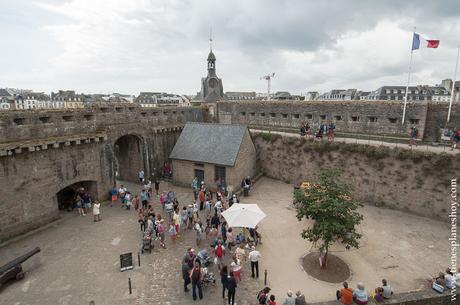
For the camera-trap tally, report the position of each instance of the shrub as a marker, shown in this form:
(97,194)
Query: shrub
(265,136)
(417,156)
(403,154)
(442,160)
(377,152)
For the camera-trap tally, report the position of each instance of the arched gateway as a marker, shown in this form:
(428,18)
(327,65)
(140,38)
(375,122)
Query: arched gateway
(66,196)
(129,157)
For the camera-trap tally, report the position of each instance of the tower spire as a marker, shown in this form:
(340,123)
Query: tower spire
(210,39)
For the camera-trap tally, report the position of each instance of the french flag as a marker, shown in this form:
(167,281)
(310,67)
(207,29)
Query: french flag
(430,43)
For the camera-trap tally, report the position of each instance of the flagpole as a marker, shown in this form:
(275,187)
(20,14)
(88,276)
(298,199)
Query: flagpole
(453,86)
(408,81)
(407,87)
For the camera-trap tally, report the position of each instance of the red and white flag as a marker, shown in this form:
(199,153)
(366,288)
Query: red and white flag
(432,43)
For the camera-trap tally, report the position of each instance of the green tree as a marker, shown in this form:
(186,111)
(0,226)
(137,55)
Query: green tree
(329,203)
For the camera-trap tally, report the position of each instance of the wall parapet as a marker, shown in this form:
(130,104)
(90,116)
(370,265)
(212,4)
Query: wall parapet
(370,117)
(424,297)
(22,125)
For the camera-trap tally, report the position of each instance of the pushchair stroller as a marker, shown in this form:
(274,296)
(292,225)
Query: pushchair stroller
(204,258)
(208,277)
(147,243)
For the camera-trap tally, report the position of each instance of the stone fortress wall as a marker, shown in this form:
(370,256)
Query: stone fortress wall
(44,152)
(357,117)
(400,179)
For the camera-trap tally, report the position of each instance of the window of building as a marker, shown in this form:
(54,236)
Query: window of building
(19,121)
(273,115)
(285,115)
(393,120)
(119,109)
(155,113)
(338,117)
(372,119)
(355,118)
(309,116)
(143,113)
(253,114)
(243,113)
(219,175)
(68,118)
(165,113)
(296,115)
(414,121)
(45,119)
(199,164)
(104,109)
(322,117)
(262,114)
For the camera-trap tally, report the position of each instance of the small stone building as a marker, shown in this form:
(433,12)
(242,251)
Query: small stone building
(214,153)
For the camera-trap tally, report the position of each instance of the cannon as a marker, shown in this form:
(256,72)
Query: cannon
(13,269)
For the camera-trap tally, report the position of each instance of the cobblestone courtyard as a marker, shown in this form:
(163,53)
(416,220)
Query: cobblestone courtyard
(79,261)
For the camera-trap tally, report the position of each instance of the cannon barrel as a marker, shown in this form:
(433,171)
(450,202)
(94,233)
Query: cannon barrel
(19,260)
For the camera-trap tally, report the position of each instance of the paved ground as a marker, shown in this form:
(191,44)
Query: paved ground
(79,262)
(430,148)
(403,248)
(80,259)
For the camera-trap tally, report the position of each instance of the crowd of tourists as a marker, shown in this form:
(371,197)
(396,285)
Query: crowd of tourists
(203,216)
(238,246)
(317,130)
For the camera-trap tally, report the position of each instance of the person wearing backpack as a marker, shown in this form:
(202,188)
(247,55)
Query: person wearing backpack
(219,252)
(262,296)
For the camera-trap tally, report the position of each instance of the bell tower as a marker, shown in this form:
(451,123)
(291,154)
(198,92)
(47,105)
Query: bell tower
(211,85)
(211,59)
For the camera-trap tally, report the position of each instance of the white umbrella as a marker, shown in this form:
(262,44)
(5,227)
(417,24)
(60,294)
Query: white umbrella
(243,215)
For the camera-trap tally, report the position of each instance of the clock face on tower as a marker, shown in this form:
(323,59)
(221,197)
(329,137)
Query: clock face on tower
(212,83)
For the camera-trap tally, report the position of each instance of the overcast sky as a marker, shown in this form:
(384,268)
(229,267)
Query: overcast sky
(127,46)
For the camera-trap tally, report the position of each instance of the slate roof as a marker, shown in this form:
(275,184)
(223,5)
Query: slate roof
(209,143)
(211,56)
(4,92)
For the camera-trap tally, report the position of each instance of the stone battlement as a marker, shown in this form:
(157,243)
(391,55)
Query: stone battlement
(23,125)
(366,117)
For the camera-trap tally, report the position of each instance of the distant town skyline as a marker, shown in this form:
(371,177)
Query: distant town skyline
(130,46)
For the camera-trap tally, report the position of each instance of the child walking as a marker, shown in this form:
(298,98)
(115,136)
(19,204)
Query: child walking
(97,211)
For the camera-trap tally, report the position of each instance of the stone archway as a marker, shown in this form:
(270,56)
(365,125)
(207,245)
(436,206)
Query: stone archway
(66,196)
(129,157)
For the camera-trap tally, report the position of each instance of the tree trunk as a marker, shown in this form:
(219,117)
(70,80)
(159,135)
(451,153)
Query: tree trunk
(323,259)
